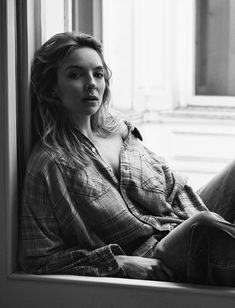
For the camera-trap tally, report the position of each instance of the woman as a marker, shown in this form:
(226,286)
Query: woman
(95,200)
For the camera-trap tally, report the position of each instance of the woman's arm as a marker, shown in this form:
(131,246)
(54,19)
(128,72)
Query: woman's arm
(44,251)
(53,236)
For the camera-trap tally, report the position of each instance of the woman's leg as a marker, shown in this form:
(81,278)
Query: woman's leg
(211,258)
(194,247)
(219,193)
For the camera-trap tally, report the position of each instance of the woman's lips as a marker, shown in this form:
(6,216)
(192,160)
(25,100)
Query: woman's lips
(90,98)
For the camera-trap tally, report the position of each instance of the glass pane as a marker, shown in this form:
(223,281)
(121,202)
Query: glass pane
(56,17)
(215,47)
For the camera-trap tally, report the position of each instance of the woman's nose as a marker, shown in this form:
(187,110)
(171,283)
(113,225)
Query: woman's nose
(90,84)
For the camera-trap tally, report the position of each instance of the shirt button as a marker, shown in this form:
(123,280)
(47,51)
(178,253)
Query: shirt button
(93,150)
(110,170)
(110,268)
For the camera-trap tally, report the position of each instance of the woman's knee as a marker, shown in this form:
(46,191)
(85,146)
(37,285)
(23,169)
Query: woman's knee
(206,219)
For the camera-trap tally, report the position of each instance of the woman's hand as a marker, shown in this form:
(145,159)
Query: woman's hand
(145,268)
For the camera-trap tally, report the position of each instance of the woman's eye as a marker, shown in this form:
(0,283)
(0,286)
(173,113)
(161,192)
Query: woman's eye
(99,75)
(75,75)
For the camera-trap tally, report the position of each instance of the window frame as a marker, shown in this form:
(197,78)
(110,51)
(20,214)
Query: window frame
(8,137)
(188,52)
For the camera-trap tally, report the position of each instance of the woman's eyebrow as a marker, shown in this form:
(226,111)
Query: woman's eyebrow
(78,67)
(74,67)
(99,68)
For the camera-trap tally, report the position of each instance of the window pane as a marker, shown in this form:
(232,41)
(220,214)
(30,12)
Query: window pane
(215,47)
(56,17)
(138,52)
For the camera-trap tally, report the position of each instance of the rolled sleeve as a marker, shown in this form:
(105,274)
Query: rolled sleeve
(106,262)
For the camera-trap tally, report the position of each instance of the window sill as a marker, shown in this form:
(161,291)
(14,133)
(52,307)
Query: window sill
(201,112)
(179,114)
(170,287)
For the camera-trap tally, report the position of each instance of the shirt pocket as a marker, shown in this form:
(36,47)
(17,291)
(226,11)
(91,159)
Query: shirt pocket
(152,175)
(83,183)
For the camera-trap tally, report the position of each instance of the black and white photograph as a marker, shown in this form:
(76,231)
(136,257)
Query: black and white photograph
(117,153)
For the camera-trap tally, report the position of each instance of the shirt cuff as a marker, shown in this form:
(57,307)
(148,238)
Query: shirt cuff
(105,261)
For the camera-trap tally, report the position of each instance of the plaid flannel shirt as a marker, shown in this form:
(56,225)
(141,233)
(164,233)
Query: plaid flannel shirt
(76,220)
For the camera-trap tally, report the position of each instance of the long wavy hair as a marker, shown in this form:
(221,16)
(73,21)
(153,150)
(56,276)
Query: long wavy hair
(50,123)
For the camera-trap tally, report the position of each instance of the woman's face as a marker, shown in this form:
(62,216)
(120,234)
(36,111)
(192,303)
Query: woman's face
(80,82)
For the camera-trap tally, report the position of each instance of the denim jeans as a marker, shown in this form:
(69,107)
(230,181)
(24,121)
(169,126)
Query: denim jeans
(219,193)
(202,249)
